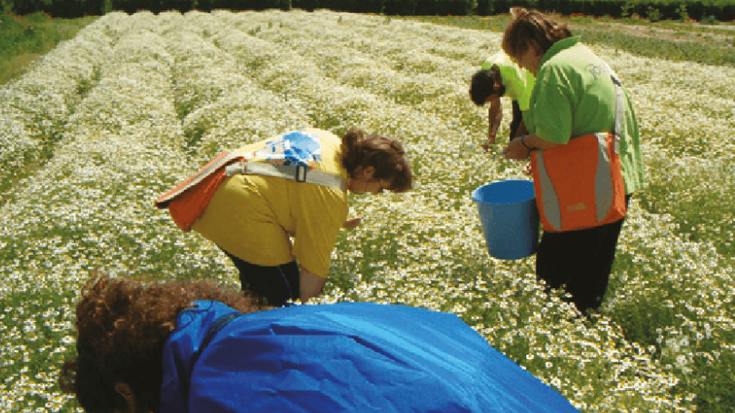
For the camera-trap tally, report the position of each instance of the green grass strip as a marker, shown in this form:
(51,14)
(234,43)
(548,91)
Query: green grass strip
(25,38)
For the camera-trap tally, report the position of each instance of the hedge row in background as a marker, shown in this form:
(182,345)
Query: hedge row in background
(77,8)
(722,10)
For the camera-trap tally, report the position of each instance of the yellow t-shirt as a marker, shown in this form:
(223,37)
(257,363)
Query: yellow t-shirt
(270,221)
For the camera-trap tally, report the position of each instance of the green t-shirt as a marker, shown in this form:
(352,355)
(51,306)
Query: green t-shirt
(518,82)
(574,96)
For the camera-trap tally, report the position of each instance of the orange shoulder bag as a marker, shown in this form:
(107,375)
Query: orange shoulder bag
(188,200)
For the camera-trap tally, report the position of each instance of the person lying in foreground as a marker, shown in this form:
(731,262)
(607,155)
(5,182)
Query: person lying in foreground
(196,347)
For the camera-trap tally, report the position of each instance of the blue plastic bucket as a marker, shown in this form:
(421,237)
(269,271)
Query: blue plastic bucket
(510,220)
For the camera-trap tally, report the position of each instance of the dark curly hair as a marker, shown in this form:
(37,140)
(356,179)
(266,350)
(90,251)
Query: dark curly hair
(385,154)
(122,326)
(483,84)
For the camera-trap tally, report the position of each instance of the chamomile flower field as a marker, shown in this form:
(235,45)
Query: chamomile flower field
(107,121)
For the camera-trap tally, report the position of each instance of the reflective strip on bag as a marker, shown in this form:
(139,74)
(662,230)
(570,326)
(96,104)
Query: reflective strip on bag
(550,199)
(603,179)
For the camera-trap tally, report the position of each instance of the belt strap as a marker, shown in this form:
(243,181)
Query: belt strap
(218,325)
(619,107)
(299,173)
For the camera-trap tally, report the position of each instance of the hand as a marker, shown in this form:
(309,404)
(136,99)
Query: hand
(352,223)
(516,151)
(488,146)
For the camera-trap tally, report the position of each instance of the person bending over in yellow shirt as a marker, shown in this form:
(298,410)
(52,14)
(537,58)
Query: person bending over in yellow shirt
(280,232)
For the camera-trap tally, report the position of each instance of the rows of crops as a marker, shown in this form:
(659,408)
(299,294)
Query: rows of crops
(135,103)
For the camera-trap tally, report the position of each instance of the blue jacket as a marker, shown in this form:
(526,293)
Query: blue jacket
(349,357)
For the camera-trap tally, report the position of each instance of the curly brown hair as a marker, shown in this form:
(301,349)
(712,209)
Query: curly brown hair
(122,326)
(385,154)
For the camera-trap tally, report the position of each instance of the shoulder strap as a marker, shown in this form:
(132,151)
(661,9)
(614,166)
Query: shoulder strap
(619,107)
(299,173)
(218,325)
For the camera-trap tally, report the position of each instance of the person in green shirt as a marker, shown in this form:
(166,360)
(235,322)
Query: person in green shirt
(574,96)
(500,77)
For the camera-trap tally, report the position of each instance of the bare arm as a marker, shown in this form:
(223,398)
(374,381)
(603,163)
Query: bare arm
(518,149)
(521,130)
(494,118)
(311,285)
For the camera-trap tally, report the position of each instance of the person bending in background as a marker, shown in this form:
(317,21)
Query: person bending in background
(279,232)
(574,96)
(500,77)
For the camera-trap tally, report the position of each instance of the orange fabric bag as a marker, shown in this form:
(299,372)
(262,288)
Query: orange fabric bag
(188,200)
(579,185)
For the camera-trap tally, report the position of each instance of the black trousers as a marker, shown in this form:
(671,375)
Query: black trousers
(517,118)
(579,261)
(275,284)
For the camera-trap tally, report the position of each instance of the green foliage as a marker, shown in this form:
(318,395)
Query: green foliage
(445,7)
(22,33)
(643,330)
(627,9)
(682,195)
(359,6)
(484,8)
(653,14)
(716,392)
(6,7)
(713,50)
(700,52)
(235,4)
(399,7)
(57,8)
(23,38)
(722,10)
(709,19)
